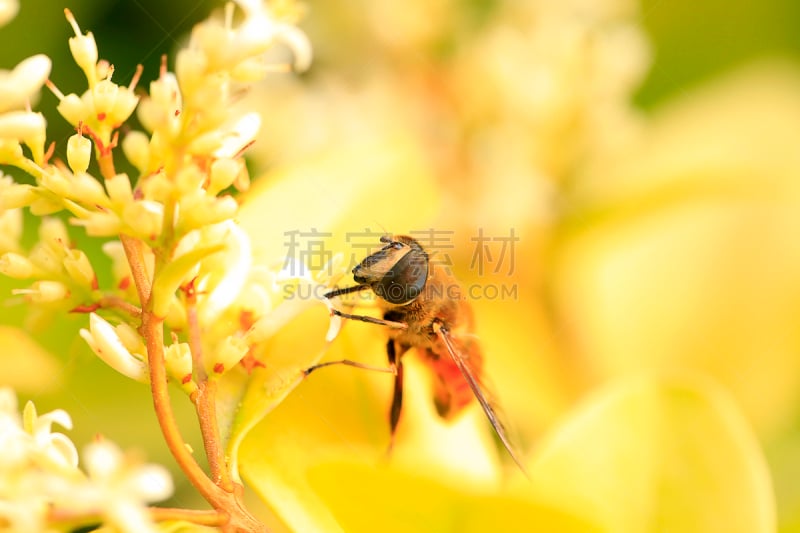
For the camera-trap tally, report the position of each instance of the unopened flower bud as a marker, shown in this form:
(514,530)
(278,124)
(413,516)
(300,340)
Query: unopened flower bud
(83,49)
(190,68)
(53,233)
(250,70)
(16,195)
(26,127)
(226,355)
(136,147)
(55,181)
(162,110)
(229,139)
(124,105)
(45,291)
(223,173)
(119,189)
(130,338)
(16,266)
(74,109)
(79,268)
(178,359)
(199,209)
(19,86)
(144,218)
(10,151)
(79,153)
(189,180)
(42,206)
(104,96)
(99,223)
(88,191)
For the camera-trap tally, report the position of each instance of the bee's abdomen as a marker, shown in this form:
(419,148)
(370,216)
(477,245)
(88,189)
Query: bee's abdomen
(451,392)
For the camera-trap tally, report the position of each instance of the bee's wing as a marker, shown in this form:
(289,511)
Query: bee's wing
(492,413)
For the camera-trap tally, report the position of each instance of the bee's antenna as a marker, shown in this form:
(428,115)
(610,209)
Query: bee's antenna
(385,231)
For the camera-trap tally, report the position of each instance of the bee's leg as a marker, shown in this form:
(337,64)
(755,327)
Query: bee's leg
(345,290)
(397,395)
(348,362)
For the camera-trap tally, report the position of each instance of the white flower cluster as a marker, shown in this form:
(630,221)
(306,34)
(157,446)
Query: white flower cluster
(194,253)
(41,485)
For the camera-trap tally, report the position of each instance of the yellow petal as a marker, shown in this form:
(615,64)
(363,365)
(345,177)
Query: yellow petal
(336,421)
(684,253)
(659,454)
(245,398)
(389,189)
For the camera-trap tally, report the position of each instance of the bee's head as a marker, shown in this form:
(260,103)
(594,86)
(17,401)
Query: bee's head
(397,272)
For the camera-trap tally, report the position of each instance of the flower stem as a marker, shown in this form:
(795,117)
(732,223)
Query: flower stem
(205,402)
(204,399)
(203,518)
(153,332)
(120,304)
(225,497)
(135,256)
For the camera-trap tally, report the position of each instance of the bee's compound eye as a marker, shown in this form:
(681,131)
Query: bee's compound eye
(405,280)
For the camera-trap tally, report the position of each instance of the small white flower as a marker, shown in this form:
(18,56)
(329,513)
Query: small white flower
(226,355)
(223,274)
(54,451)
(102,338)
(260,30)
(178,358)
(119,488)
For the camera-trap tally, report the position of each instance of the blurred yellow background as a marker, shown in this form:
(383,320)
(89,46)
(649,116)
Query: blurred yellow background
(645,156)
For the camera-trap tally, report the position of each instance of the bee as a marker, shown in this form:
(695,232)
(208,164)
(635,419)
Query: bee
(420,312)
